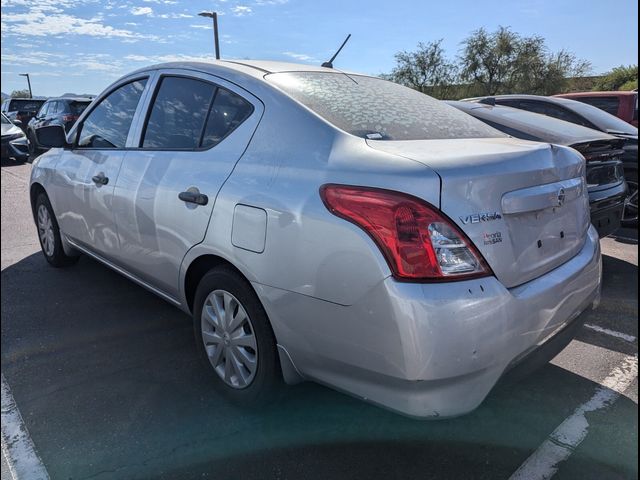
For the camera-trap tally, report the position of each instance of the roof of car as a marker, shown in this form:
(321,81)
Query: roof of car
(557,100)
(547,129)
(597,94)
(254,68)
(72,99)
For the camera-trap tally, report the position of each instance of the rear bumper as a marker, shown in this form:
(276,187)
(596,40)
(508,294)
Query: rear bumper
(606,209)
(432,350)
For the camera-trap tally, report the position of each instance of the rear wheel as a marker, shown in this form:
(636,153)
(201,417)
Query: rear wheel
(234,338)
(49,234)
(630,212)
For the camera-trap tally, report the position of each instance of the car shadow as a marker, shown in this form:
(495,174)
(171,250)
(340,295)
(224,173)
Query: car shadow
(108,383)
(8,162)
(618,309)
(627,236)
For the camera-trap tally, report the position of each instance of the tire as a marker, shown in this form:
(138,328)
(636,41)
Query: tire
(49,234)
(630,214)
(226,344)
(34,151)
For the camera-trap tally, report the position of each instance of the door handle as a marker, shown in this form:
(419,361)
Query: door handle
(100,179)
(194,197)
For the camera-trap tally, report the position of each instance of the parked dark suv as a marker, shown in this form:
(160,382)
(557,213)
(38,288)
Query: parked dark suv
(22,109)
(63,111)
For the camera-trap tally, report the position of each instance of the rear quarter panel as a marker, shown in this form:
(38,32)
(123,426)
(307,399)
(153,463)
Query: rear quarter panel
(307,249)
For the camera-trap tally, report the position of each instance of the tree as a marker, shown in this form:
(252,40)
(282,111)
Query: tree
(620,78)
(425,69)
(506,62)
(20,94)
(488,60)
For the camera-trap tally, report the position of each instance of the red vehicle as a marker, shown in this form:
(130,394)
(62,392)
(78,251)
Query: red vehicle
(623,105)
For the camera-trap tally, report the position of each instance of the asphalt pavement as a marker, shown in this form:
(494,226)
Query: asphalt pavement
(107,381)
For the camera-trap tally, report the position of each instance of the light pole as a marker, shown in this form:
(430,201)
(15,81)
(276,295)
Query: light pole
(28,82)
(214,16)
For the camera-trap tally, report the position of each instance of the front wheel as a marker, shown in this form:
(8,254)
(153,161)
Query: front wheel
(49,234)
(34,151)
(234,338)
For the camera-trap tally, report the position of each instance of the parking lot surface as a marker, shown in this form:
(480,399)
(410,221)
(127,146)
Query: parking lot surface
(107,381)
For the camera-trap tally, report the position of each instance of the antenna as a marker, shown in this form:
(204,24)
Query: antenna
(329,64)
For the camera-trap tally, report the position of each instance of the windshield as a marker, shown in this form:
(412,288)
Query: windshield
(603,120)
(377,109)
(25,105)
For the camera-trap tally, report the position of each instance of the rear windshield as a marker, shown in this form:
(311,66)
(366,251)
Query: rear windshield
(26,105)
(78,107)
(603,120)
(608,104)
(377,109)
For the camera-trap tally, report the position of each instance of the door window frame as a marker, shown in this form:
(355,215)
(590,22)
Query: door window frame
(216,83)
(76,131)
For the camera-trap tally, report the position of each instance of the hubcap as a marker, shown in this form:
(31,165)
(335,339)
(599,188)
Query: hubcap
(229,339)
(45,230)
(630,212)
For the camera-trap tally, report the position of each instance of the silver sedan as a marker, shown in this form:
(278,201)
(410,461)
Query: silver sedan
(327,226)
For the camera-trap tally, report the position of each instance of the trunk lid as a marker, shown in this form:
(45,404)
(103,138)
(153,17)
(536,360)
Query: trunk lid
(523,204)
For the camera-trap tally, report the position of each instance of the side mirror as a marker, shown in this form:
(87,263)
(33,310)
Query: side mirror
(17,123)
(52,136)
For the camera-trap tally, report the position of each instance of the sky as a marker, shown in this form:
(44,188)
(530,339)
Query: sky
(81,46)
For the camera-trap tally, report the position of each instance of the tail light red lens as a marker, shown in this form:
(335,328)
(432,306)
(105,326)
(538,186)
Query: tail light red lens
(69,118)
(417,240)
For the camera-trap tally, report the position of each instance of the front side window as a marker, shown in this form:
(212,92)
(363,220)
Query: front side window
(376,109)
(107,126)
(43,111)
(178,114)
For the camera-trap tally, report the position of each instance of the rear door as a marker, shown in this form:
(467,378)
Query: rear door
(196,128)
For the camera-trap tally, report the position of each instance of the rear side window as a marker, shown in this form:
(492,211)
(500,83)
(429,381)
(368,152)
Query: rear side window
(76,108)
(107,125)
(227,112)
(376,109)
(178,114)
(608,104)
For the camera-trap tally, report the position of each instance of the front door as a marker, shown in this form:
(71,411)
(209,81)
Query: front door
(86,174)
(197,127)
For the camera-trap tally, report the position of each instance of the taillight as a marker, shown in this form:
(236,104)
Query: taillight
(416,239)
(69,118)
